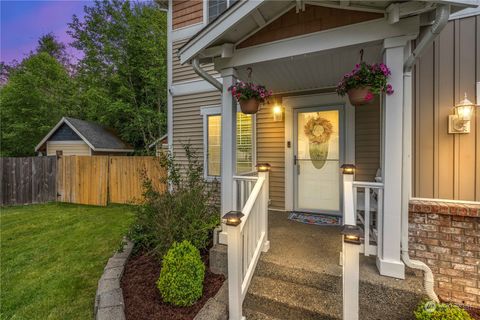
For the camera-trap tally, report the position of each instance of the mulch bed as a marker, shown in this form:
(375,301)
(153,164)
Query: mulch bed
(142,298)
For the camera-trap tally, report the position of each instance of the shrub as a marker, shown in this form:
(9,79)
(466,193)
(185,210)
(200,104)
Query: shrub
(187,211)
(440,311)
(181,278)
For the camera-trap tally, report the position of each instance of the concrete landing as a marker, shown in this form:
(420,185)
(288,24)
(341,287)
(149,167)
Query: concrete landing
(300,278)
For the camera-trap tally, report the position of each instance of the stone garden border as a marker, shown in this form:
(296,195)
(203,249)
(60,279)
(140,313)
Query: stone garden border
(109,298)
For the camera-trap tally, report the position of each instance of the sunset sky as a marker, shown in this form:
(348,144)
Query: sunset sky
(23,22)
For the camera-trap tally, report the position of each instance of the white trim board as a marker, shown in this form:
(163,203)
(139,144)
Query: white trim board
(360,33)
(186,32)
(321,99)
(192,87)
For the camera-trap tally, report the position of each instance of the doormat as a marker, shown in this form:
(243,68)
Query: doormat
(317,219)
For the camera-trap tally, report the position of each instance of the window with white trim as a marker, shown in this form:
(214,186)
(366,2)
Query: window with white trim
(212,142)
(217,7)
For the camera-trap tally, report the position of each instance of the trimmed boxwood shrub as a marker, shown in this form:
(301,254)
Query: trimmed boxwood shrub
(440,311)
(181,278)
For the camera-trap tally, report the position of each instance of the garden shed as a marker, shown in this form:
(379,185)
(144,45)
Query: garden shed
(72,136)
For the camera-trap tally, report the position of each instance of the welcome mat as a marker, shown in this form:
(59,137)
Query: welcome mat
(317,219)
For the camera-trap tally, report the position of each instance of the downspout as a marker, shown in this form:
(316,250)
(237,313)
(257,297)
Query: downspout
(205,75)
(441,19)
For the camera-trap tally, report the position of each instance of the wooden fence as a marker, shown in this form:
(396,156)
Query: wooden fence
(28,180)
(98,180)
(92,180)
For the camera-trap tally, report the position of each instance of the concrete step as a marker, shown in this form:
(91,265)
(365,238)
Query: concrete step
(287,300)
(291,293)
(256,315)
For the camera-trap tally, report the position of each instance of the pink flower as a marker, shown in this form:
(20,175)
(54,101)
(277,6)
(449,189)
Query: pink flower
(368,96)
(262,95)
(389,89)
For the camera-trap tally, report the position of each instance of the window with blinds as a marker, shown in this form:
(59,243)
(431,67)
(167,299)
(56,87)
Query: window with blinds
(217,7)
(245,145)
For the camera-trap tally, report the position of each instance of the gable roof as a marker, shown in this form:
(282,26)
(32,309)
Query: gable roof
(247,17)
(95,136)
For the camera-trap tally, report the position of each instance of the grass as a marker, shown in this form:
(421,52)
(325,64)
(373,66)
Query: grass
(52,256)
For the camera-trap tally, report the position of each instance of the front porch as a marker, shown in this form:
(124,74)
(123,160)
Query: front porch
(300,278)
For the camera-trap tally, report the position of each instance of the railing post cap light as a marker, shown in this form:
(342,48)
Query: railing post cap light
(348,168)
(233,218)
(263,167)
(352,234)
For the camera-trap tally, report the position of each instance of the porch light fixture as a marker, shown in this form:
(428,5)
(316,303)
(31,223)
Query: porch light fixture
(277,113)
(460,121)
(348,168)
(263,167)
(352,234)
(233,218)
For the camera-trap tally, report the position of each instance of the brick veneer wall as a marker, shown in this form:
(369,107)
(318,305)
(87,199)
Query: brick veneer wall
(446,236)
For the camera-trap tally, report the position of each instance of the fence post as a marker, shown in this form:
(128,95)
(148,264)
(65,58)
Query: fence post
(351,256)
(264,172)
(235,274)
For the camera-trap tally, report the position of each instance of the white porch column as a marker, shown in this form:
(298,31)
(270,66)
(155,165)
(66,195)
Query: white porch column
(229,132)
(389,259)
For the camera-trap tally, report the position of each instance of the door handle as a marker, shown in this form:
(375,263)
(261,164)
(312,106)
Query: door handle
(295,160)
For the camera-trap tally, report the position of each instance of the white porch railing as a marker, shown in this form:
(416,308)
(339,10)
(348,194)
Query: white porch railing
(363,203)
(248,239)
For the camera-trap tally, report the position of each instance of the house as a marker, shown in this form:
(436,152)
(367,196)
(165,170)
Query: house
(422,173)
(72,136)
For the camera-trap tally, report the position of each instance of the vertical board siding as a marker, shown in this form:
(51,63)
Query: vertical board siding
(185,72)
(271,148)
(186,12)
(28,180)
(367,141)
(446,165)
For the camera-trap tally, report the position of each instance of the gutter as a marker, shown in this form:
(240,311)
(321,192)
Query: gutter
(205,75)
(441,19)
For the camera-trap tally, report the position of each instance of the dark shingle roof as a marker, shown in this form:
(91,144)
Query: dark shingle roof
(99,137)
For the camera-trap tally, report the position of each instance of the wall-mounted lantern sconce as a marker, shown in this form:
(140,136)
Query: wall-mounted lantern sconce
(348,168)
(263,167)
(460,121)
(233,218)
(277,113)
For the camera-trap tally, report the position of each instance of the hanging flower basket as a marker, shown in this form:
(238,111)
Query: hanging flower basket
(249,96)
(360,96)
(364,82)
(250,106)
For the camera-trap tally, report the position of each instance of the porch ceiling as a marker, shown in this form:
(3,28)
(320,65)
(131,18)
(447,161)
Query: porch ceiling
(308,72)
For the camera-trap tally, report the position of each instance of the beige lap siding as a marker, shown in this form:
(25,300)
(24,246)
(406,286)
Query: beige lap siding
(185,72)
(68,148)
(271,149)
(367,141)
(188,122)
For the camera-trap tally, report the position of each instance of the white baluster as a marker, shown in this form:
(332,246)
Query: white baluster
(367,221)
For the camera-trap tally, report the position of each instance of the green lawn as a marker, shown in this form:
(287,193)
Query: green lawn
(52,256)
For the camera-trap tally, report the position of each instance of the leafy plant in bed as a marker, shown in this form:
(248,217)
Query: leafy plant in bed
(167,277)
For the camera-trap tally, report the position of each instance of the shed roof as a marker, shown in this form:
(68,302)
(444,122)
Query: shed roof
(96,136)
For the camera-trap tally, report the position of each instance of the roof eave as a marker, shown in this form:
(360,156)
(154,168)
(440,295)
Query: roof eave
(215,29)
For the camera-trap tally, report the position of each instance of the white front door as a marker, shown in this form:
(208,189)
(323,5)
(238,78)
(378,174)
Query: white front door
(318,154)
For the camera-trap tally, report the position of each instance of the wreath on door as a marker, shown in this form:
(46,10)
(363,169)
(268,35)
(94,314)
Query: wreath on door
(318,131)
